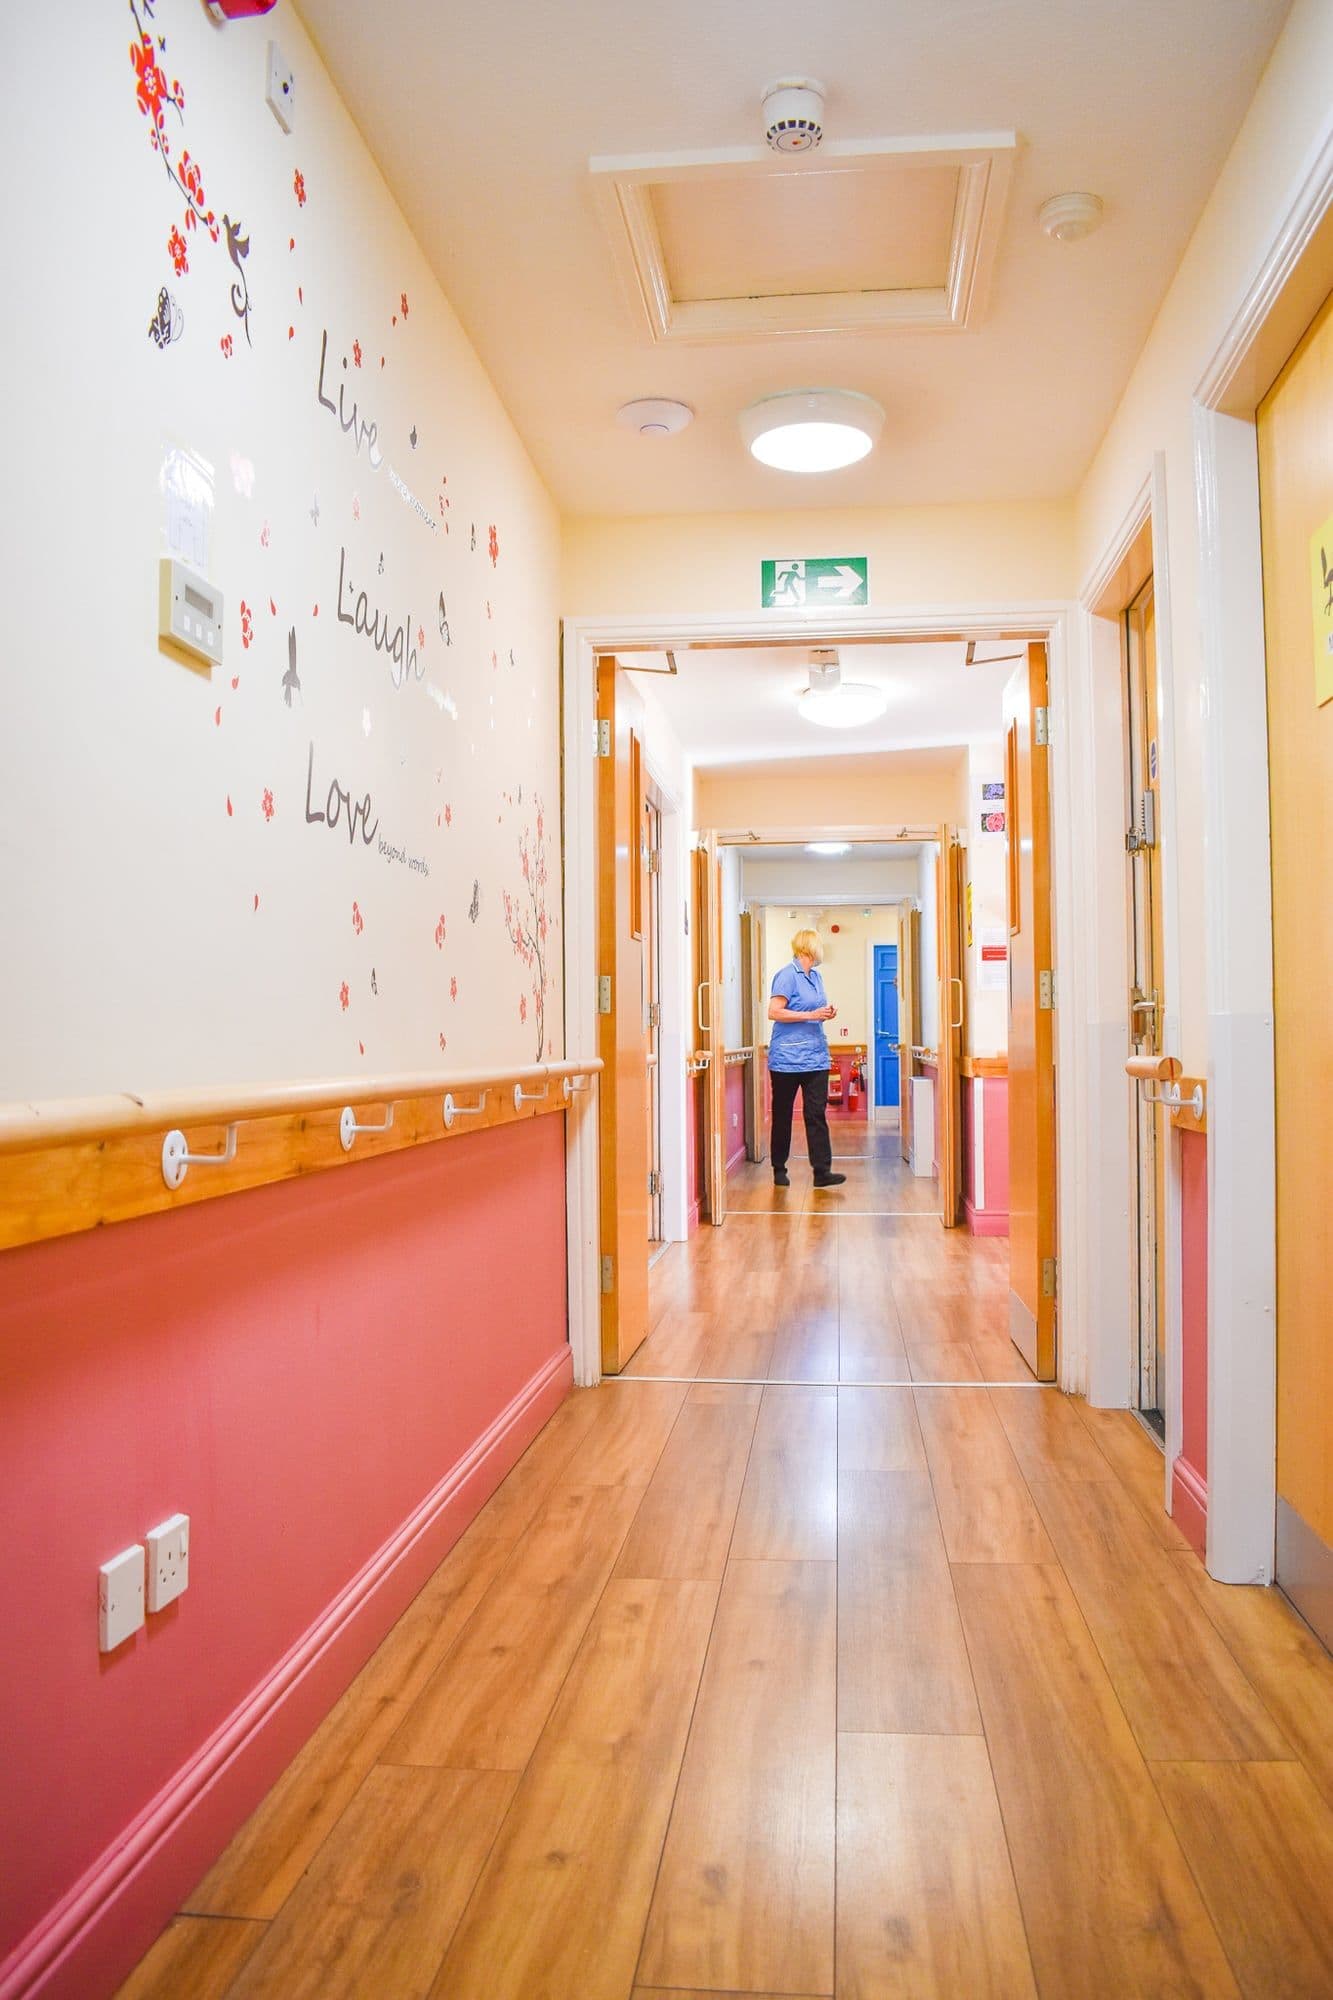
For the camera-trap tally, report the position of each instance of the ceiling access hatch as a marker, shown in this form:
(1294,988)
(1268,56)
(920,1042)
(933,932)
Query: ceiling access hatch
(742,243)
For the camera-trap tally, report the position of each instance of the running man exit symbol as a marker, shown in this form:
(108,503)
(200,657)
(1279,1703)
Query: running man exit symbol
(810,580)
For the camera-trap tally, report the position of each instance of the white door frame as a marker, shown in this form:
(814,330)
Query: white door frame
(1283,292)
(1113,1357)
(583,639)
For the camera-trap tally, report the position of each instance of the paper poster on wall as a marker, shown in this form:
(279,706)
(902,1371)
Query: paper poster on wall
(992,805)
(1321,589)
(993,970)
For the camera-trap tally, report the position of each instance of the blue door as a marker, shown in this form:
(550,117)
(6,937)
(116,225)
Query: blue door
(886,1024)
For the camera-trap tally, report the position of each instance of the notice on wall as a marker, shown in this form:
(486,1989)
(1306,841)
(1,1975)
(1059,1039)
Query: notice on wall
(993,970)
(1321,589)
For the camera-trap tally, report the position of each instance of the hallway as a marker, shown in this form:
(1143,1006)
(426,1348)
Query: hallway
(784,1684)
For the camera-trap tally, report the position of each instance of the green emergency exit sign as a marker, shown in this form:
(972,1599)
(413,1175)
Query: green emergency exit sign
(809,580)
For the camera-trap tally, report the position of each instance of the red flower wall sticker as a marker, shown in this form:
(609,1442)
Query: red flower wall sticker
(266,804)
(298,189)
(526,920)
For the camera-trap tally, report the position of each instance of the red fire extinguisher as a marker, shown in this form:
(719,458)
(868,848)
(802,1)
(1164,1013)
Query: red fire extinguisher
(853,1089)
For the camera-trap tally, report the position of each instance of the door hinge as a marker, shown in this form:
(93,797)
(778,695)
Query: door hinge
(602,739)
(1041,724)
(654,1013)
(1050,1277)
(654,1181)
(608,1274)
(1046,992)
(655,861)
(604,993)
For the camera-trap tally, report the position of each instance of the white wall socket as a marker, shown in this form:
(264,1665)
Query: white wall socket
(119,1598)
(168,1561)
(280,88)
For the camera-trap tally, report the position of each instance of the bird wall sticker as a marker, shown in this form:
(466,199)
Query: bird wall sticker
(291,680)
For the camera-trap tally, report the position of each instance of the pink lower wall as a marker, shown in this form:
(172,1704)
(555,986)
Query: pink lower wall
(329,1376)
(1189,1474)
(693,1161)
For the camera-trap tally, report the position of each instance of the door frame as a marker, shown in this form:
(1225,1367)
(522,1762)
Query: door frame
(583,638)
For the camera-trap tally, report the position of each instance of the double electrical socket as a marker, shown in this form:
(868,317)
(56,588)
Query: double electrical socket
(120,1582)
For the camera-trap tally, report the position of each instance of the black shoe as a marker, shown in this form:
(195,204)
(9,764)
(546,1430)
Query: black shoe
(829,1180)
(781,1178)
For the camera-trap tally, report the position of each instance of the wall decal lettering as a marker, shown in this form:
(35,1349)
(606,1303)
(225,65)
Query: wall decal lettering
(360,429)
(338,806)
(527,923)
(400,651)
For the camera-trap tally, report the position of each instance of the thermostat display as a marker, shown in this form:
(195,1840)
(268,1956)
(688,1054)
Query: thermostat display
(190,611)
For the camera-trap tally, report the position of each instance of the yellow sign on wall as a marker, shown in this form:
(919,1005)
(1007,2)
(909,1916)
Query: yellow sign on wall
(1321,586)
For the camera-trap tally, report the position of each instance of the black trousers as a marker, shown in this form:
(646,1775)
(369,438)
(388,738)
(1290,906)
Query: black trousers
(813,1086)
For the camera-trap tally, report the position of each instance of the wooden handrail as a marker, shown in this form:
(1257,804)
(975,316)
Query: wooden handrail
(26,1128)
(1153,1069)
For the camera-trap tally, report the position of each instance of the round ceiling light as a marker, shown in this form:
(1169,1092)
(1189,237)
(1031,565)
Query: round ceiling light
(1067,217)
(838,704)
(654,416)
(812,430)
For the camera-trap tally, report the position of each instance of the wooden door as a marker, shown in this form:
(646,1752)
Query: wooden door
(623,1042)
(909,1015)
(652,944)
(1295,426)
(1032,1260)
(950,874)
(1144,860)
(707,926)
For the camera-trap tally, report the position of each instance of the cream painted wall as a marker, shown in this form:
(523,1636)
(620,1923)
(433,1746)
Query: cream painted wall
(815,881)
(915,789)
(187,895)
(1270,154)
(844,965)
(709,563)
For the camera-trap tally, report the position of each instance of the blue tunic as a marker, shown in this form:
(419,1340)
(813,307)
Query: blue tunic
(795,1046)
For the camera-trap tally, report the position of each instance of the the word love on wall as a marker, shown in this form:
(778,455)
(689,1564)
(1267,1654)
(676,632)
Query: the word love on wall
(336,849)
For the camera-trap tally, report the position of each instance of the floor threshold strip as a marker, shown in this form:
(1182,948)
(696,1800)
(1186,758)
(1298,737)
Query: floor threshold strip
(804,1382)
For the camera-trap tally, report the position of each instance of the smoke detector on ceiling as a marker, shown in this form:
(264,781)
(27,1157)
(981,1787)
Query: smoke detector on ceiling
(654,416)
(794,114)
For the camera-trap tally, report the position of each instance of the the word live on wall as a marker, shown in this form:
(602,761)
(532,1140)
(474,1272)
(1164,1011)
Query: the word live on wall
(383,729)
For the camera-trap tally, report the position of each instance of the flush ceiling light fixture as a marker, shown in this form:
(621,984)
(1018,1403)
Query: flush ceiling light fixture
(835,703)
(812,430)
(828,846)
(1067,217)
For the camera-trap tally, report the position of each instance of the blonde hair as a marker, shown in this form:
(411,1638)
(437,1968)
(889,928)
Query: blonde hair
(806,944)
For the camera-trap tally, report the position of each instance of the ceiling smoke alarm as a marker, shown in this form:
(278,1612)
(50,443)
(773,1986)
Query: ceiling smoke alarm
(794,114)
(1067,217)
(654,416)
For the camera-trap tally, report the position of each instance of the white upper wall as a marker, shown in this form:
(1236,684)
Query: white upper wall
(338,852)
(815,881)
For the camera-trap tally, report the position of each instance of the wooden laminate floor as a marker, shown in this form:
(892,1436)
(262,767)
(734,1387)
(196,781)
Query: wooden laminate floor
(826,1655)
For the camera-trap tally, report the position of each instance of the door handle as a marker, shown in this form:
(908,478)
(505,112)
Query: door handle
(959,984)
(705,1027)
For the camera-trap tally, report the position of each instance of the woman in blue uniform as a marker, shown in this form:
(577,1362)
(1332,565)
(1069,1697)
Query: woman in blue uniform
(798,1059)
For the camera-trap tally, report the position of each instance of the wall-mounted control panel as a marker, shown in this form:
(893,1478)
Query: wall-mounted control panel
(190,611)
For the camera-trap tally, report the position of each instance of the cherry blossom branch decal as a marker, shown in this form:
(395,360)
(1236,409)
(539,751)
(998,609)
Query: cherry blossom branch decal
(155,97)
(526,920)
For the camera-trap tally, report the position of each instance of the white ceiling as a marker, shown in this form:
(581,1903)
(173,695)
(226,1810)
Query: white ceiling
(483,121)
(738,706)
